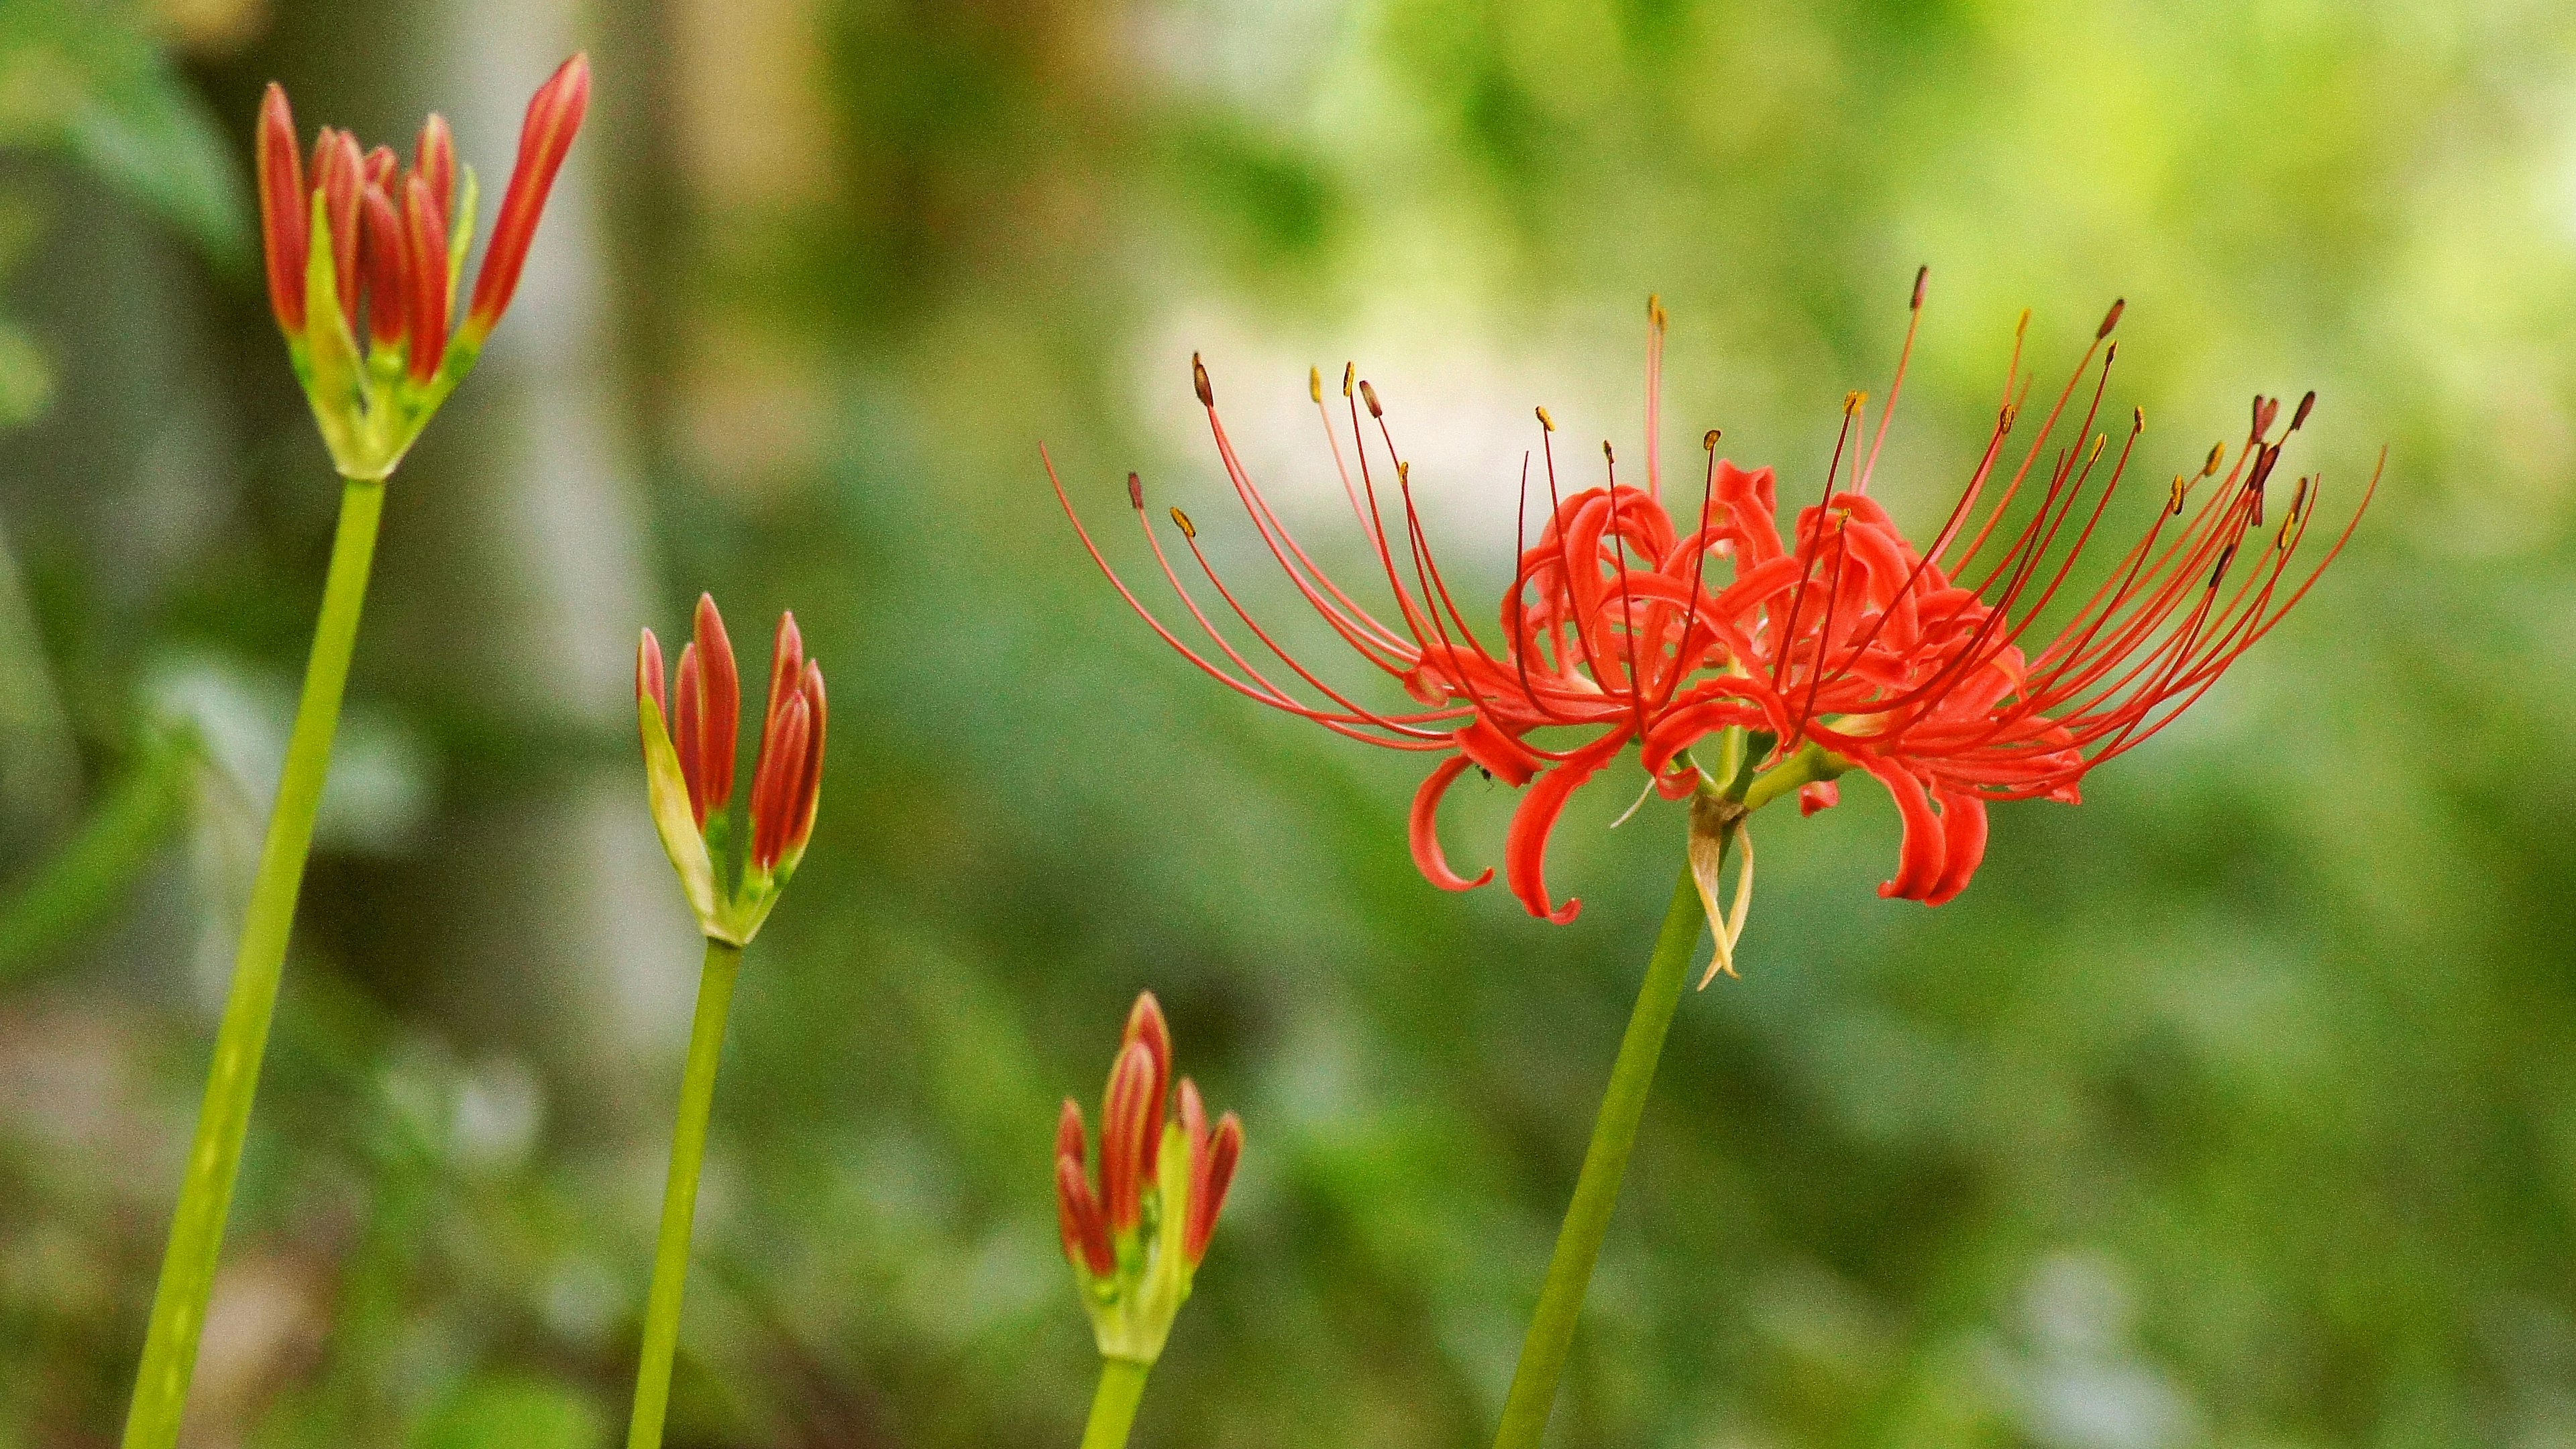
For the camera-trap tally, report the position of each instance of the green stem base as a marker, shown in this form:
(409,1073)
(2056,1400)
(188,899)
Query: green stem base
(680,1196)
(1596,1191)
(1113,1409)
(223,1118)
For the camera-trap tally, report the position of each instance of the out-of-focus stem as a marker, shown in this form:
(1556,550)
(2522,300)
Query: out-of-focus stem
(223,1119)
(1113,1409)
(680,1196)
(1596,1190)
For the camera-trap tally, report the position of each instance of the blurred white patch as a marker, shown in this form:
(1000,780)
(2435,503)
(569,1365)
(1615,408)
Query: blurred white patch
(2082,1384)
(498,1110)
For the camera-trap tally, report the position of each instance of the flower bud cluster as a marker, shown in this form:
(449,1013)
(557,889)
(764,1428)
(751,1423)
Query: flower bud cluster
(1136,1236)
(363,238)
(689,731)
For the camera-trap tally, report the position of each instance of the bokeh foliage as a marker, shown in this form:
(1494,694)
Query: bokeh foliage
(2236,1106)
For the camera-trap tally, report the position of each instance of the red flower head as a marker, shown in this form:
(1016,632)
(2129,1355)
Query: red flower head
(1137,1240)
(1847,648)
(689,743)
(395,238)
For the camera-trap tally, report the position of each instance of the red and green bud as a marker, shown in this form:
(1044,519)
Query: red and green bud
(689,734)
(1136,1239)
(392,247)
(554,117)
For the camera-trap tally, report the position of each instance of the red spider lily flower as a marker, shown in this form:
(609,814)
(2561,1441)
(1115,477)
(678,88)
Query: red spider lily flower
(1846,648)
(1136,1239)
(690,735)
(395,241)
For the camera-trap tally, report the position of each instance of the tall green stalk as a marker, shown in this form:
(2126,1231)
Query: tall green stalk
(1113,1408)
(1596,1191)
(680,1196)
(214,1158)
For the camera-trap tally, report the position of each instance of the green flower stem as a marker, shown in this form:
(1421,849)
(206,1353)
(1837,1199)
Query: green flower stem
(1596,1191)
(1113,1409)
(680,1196)
(214,1158)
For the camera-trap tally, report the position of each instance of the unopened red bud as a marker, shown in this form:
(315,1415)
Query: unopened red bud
(1145,1025)
(808,795)
(1211,1172)
(1130,1120)
(688,730)
(336,174)
(377,168)
(1069,1135)
(786,669)
(381,246)
(648,674)
(554,118)
(1078,1222)
(721,707)
(285,209)
(434,161)
(775,778)
(425,265)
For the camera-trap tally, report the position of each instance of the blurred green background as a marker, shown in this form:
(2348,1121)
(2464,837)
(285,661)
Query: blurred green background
(2235,1107)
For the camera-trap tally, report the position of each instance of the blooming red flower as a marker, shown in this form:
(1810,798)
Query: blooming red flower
(690,767)
(395,238)
(1846,648)
(1135,1240)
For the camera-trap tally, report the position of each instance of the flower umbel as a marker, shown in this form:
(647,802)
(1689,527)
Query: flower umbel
(392,254)
(1136,1239)
(689,732)
(1956,673)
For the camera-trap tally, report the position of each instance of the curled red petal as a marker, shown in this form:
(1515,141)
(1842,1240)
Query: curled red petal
(1508,759)
(1963,831)
(1920,856)
(1818,795)
(1525,853)
(1424,831)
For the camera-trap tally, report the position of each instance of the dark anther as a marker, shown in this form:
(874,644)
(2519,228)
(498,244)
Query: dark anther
(1199,379)
(1135,492)
(2111,318)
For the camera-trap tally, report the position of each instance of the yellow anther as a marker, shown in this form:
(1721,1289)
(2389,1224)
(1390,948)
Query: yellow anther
(1545,421)
(1188,529)
(1315,383)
